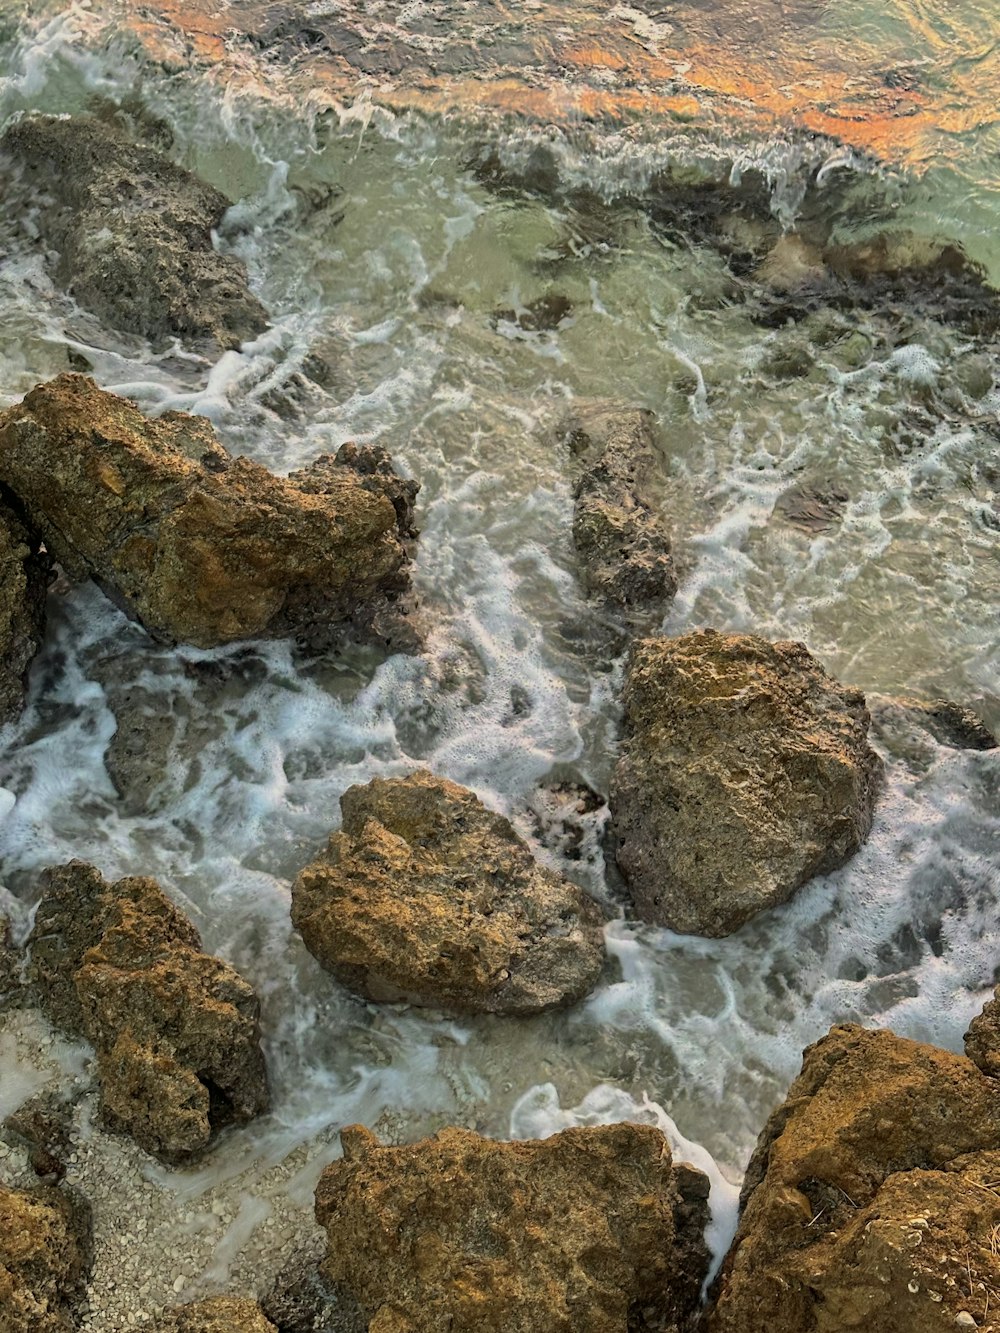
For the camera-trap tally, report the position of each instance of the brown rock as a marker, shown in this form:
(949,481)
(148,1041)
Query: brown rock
(24,577)
(947,722)
(43,1260)
(10,965)
(982,1041)
(220,1314)
(425,895)
(176,1031)
(744,772)
(199,547)
(866,1203)
(577,1233)
(134,233)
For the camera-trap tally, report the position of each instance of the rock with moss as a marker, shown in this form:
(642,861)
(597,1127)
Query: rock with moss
(425,895)
(745,770)
(218,1314)
(24,578)
(176,1030)
(44,1260)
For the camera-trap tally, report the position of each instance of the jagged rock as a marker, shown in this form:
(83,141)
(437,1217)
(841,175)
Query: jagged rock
(198,546)
(176,1030)
(622,545)
(24,577)
(982,1041)
(134,233)
(302,1299)
(427,896)
(42,1123)
(584,1232)
(219,1314)
(948,723)
(10,965)
(744,772)
(44,1258)
(866,1204)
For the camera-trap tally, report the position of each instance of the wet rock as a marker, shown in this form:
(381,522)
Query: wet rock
(134,234)
(24,577)
(814,509)
(744,772)
(44,1259)
(219,1314)
(10,965)
(622,544)
(584,1232)
(427,896)
(43,1124)
(302,1299)
(176,1030)
(866,1203)
(567,818)
(948,723)
(196,545)
(543,315)
(982,1041)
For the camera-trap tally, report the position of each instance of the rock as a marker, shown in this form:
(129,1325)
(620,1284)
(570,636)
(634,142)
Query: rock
(814,509)
(948,723)
(867,1203)
(199,547)
(44,1259)
(745,771)
(982,1041)
(10,965)
(176,1030)
(303,1300)
(134,234)
(579,1233)
(43,1124)
(622,545)
(219,1314)
(24,577)
(427,896)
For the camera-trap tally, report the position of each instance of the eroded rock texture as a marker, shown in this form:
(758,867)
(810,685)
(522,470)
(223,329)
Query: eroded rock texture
(44,1258)
(744,772)
(176,1030)
(870,1201)
(198,546)
(425,895)
(134,233)
(219,1314)
(24,576)
(590,1231)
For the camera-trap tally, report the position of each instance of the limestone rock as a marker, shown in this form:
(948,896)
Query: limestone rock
(44,1259)
(302,1299)
(744,772)
(176,1030)
(578,1233)
(198,546)
(865,1205)
(134,234)
(219,1314)
(24,576)
(982,1041)
(425,895)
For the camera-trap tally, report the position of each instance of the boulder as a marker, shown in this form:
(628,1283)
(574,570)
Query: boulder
(870,1201)
(176,1030)
(745,771)
(196,545)
(585,1232)
(24,577)
(425,895)
(133,233)
(219,1314)
(44,1259)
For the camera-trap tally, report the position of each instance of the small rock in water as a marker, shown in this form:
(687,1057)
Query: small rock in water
(948,723)
(24,579)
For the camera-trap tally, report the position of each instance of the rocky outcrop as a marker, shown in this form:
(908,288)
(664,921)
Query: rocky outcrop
(44,1258)
(219,1314)
(744,772)
(24,577)
(427,896)
(176,1030)
(198,546)
(134,234)
(622,545)
(870,1201)
(590,1231)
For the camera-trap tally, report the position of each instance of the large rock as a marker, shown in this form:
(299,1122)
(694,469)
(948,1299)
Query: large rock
(425,895)
(44,1258)
(176,1030)
(744,772)
(134,233)
(870,1201)
(198,546)
(590,1231)
(218,1314)
(24,577)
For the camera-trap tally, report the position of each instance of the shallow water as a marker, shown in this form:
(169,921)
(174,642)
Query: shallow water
(381,248)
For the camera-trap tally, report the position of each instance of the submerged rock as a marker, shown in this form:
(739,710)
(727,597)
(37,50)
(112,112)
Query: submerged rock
(870,1201)
(24,577)
(44,1259)
(176,1030)
(427,896)
(590,1231)
(134,233)
(198,546)
(948,723)
(219,1314)
(744,772)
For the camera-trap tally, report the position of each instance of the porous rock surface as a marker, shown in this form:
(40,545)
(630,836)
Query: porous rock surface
(24,576)
(425,895)
(744,772)
(871,1200)
(176,1030)
(196,545)
(43,1260)
(590,1231)
(218,1314)
(134,233)
(982,1041)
